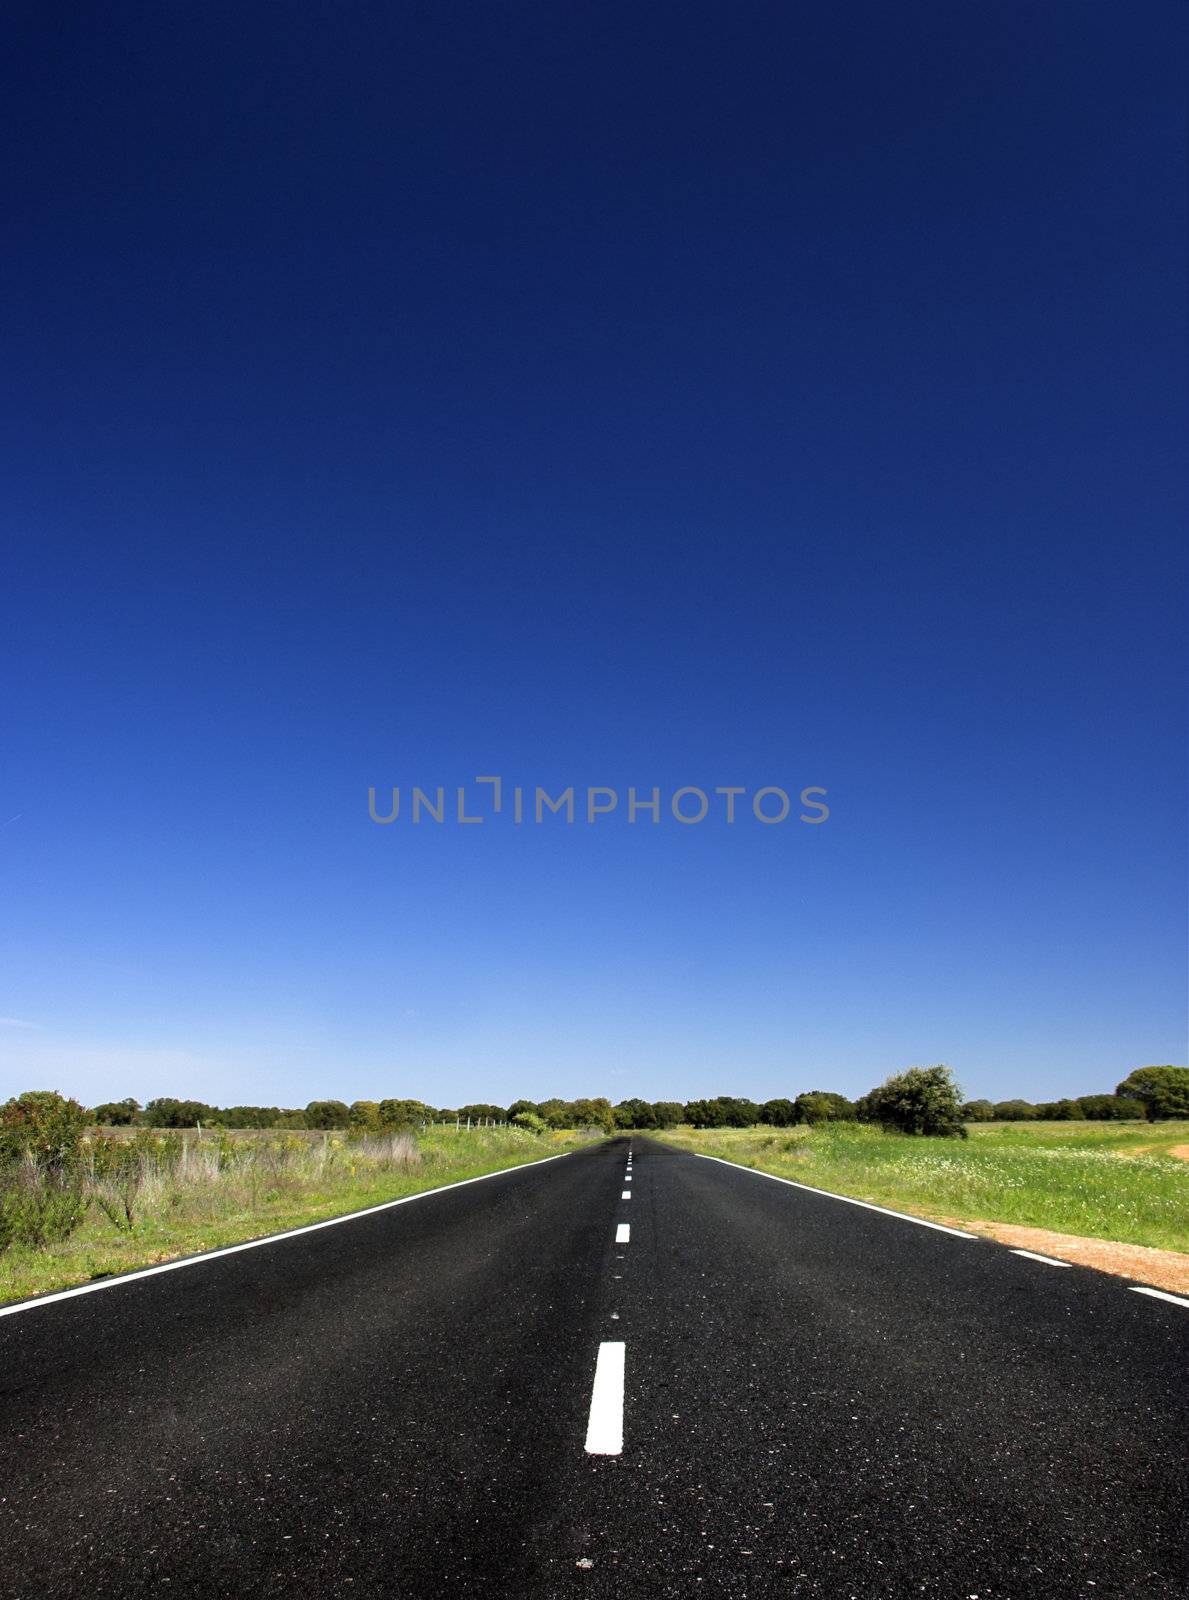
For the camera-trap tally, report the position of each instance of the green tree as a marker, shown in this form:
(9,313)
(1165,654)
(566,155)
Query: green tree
(404,1113)
(1060,1111)
(364,1116)
(778,1113)
(519,1107)
(327,1114)
(1015,1111)
(978,1111)
(667,1113)
(529,1121)
(1162,1091)
(116,1114)
(635,1114)
(923,1100)
(250,1116)
(823,1105)
(705,1114)
(555,1113)
(596,1112)
(167,1112)
(1107,1107)
(481,1111)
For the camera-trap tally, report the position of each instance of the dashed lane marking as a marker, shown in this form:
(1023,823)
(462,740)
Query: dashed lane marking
(604,1430)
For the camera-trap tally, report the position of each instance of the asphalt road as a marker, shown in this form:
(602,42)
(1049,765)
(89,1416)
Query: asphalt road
(817,1399)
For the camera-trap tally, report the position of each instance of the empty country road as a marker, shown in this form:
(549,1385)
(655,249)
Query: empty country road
(610,1375)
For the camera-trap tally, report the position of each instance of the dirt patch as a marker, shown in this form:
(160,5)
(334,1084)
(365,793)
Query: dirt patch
(1181,1151)
(1159,1269)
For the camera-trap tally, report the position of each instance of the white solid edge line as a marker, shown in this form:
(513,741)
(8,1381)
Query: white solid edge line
(1159,1294)
(623,1234)
(268,1238)
(1048,1260)
(604,1429)
(847,1199)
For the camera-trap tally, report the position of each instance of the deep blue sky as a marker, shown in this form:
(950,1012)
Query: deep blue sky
(593,394)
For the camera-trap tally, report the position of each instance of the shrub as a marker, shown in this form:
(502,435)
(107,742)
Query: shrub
(923,1100)
(40,1208)
(41,1125)
(530,1122)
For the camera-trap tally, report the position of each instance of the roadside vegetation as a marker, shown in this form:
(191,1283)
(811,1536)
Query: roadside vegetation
(78,1204)
(84,1194)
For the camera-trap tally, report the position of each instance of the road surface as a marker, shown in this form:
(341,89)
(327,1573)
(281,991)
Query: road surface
(813,1398)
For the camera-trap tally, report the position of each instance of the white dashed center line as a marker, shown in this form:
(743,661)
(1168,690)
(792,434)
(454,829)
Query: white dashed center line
(623,1233)
(626,1195)
(604,1431)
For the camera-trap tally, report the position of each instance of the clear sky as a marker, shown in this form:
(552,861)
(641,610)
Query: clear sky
(674,395)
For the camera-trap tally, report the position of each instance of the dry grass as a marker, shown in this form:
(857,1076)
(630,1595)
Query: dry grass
(152,1198)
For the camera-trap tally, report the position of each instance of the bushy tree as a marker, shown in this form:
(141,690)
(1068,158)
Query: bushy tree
(43,1124)
(723,1111)
(1107,1107)
(596,1112)
(823,1105)
(364,1116)
(518,1107)
(481,1111)
(635,1114)
(116,1114)
(1059,1111)
(1163,1092)
(1015,1111)
(166,1112)
(667,1113)
(923,1100)
(778,1113)
(327,1114)
(529,1121)
(978,1111)
(404,1113)
(252,1116)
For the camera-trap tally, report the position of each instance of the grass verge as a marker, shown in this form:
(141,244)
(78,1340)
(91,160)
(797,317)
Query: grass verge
(1067,1178)
(219,1192)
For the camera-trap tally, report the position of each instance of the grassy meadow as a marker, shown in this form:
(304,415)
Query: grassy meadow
(152,1197)
(1100,1180)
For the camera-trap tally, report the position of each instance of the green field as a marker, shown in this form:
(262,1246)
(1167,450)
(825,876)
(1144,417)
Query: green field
(1098,1179)
(223,1190)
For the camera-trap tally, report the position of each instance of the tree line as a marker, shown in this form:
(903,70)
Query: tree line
(1152,1092)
